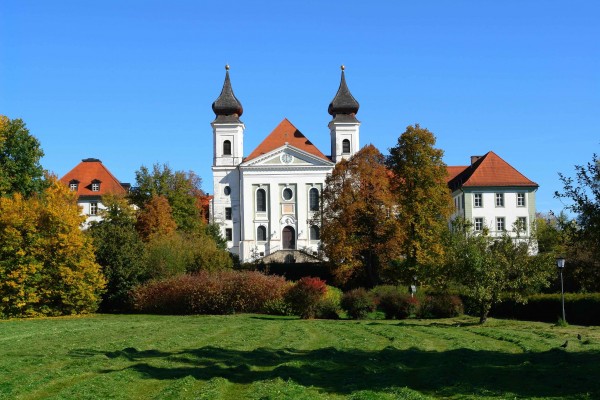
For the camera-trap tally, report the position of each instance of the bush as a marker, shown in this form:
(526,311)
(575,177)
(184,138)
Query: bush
(221,292)
(358,303)
(397,305)
(329,307)
(580,309)
(305,296)
(440,306)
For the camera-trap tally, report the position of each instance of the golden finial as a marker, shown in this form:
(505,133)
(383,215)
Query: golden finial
(342,67)
(227,67)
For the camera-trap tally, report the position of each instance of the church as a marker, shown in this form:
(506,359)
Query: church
(265,203)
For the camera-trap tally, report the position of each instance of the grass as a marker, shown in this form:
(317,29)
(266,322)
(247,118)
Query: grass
(261,357)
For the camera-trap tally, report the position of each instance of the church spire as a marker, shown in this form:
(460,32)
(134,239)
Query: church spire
(227,107)
(343,104)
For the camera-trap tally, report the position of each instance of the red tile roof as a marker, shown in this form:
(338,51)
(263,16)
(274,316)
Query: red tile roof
(488,170)
(284,133)
(89,170)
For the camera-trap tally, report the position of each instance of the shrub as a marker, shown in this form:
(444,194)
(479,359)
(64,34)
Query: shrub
(304,297)
(220,292)
(440,306)
(329,307)
(358,303)
(397,305)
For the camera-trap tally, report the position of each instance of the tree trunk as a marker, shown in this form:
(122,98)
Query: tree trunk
(483,312)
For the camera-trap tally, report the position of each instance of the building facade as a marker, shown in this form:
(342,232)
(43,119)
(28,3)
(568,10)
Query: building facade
(91,180)
(265,203)
(493,196)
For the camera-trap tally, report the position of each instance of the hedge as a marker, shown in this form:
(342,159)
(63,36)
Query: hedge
(580,309)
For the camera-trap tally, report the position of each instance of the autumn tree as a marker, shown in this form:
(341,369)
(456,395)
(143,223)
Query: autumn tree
(491,269)
(181,189)
(120,251)
(20,153)
(423,198)
(47,264)
(156,218)
(359,234)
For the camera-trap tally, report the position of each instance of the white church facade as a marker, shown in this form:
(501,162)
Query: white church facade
(265,203)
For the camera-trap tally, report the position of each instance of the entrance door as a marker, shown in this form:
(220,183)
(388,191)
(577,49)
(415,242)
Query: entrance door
(288,238)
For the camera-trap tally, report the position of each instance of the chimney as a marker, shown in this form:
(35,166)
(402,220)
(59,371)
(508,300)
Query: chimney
(474,159)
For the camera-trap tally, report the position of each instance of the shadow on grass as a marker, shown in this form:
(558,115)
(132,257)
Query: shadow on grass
(554,373)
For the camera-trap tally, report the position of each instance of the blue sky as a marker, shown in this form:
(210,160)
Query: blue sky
(132,82)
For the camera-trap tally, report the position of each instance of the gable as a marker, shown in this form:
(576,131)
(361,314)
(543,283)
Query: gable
(287,156)
(285,134)
(91,171)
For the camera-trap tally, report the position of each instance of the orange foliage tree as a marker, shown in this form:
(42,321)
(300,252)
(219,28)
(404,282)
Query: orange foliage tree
(359,234)
(47,264)
(156,218)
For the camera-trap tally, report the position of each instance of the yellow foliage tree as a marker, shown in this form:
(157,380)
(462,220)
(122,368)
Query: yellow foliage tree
(47,264)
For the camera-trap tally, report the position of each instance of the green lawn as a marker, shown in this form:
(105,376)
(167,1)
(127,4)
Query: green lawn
(261,357)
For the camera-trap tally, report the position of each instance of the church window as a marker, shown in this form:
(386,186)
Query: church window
(345,146)
(261,200)
(315,233)
(261,234)
(227,190)
(288,194)
(229,234)
(313,199)
(227,148)
(228,213)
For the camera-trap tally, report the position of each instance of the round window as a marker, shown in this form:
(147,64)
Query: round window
(227,190)
(287,194)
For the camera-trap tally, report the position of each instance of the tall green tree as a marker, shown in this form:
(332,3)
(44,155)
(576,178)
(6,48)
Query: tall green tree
(182,190)
(120,251)
(491,269)
(424,201)
(20,153)
(583,194)
(359,234)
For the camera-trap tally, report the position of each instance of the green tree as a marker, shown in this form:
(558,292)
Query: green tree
(20,153)
(120,251)
(491,269)
(359,235)
(182,189)
(424,201)
(583,192)
(47,264)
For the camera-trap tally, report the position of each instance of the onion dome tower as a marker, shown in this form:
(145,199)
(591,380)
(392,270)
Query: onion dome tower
(344,127)
(228,130)
(227,107)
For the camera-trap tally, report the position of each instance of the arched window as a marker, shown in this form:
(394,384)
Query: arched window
(313,199)
(261,200)
(315,233)
(261,234)
(345,146)
(227,148)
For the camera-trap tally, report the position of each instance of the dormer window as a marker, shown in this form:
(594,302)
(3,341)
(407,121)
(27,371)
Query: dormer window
(96,185)
(73,185)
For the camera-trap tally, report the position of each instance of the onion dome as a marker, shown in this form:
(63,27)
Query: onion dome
(227,107)
(343,104)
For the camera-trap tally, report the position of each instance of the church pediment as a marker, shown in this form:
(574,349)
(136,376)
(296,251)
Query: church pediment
(287,156)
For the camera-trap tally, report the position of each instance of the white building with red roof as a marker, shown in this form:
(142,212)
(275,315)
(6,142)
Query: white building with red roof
(91,180)
(265,202)
(493,195)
